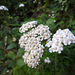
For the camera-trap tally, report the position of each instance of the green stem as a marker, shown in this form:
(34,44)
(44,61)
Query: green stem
(56,60)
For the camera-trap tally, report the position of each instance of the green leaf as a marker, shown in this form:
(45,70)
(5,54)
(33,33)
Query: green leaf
(69,25)
(73,22)
(59,23)
(4,70)
(1,44)
(11,54)
(15,24)
(10,63)
(66,8)
(67,62)
(74,27)
(46,4)
(15,28)
(20,52)
(20,62)
(73,31)
(1,56)
(1,50)
(12,45)
(50,21)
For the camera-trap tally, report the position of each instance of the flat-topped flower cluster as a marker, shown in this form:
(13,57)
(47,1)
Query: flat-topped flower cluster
(26,26)
(33,52)
(60,38)
(31,42)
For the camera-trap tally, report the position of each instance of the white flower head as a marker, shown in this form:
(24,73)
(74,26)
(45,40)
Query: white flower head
(21,5)
(47,60)
(26,26)
(61,36)
(32,42)
(7,70)
(2,7)
(54,20)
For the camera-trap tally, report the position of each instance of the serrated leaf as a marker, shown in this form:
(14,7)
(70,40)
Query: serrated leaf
(12,45)
(20,62)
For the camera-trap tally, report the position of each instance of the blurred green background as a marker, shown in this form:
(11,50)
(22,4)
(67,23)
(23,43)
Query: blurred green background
(54,13)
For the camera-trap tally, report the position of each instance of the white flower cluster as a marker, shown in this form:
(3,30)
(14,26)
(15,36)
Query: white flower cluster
(61,36)
(21,5)
(33,52)
(28,25)
(52,15)
(47,60)
(32,44)
(2,7)
(41,33)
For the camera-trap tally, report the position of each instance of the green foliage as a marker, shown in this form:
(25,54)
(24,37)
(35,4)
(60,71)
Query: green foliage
(20,52)
(53,13)
(11,55)
(20,62)
(10,63)
(1,44)
(12,45)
